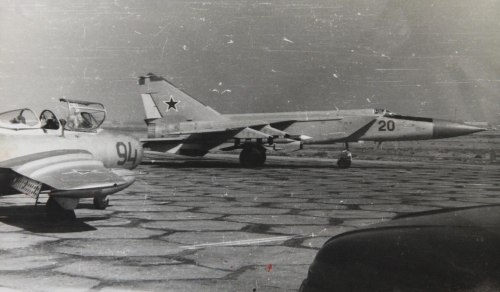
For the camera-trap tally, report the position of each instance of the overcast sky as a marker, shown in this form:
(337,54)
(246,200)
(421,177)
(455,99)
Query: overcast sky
(428,58)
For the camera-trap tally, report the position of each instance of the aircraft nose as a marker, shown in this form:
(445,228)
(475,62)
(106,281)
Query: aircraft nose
(447,129)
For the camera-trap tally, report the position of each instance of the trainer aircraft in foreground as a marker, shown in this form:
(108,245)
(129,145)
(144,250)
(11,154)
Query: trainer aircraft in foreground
(179,124)
(68,159)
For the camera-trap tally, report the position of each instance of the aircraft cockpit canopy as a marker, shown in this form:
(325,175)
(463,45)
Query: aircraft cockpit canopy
(20,119)
(383,112)
(49,120)
(84,116)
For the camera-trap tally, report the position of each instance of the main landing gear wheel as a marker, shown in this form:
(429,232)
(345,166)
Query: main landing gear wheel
(56,212)
(101,203)
(344,162)
(253,157)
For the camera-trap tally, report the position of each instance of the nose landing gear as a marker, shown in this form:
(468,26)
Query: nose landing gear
(101,203)
(345,158)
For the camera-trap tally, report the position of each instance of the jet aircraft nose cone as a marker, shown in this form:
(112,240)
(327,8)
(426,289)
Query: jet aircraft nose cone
(447,129)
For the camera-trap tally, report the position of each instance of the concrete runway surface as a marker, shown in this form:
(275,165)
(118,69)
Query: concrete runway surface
(209,225)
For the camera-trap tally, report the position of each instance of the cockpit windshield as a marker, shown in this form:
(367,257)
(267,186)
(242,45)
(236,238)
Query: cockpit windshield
(19,119)
(84,116)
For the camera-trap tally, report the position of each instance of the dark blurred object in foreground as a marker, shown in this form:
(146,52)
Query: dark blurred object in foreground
(446,250)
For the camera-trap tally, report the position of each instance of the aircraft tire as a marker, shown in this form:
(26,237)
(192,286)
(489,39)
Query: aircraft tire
(57,213)
(343,163)
(101,203)
(252,157)
(263,155)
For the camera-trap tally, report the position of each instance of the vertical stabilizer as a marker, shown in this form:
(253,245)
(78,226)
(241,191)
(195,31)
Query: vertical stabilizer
(161,98)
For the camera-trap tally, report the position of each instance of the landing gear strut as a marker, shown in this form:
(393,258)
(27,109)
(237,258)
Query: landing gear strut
(56,212)
(345,158)
(253,156)
(101,203)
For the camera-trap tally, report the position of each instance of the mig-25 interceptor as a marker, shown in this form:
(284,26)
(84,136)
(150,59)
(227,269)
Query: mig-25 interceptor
(179,124)
(67,159)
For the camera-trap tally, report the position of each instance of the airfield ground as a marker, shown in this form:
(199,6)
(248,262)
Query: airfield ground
(209,225)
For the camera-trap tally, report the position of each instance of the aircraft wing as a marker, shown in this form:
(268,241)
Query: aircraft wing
(214,131)
(198,142)
(61,171)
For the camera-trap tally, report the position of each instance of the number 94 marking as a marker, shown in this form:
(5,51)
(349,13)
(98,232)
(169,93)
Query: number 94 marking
(125,153)
(387,126)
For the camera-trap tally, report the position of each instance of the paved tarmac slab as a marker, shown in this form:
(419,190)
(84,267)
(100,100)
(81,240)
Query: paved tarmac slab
(209,225)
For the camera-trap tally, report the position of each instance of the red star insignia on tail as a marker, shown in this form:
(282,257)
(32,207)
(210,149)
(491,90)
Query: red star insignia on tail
(171,104)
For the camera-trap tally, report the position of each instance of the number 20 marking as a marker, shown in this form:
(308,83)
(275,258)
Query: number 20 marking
(125,154)
(387,126)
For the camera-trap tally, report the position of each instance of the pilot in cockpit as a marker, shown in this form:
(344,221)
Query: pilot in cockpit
(18,120)
(74,120)
(86,120)
(80,120)
(49,121)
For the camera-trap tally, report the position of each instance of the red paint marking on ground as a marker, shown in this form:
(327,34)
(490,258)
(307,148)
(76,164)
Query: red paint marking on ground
(231,267)
(269,267)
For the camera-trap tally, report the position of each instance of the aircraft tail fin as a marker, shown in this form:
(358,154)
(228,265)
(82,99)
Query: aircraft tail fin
(164,100)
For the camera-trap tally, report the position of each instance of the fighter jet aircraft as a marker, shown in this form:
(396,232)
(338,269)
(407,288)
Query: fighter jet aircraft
(179,124)
(68,159)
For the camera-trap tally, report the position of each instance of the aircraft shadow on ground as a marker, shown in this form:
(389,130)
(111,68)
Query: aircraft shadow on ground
(34,219)
(235,165)
(268,165)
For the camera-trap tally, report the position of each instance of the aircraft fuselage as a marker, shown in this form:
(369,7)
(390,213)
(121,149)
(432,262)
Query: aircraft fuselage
(114,150)
(322,126)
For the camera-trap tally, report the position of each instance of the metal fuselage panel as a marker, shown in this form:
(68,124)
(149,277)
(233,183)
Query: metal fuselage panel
(302,116)
(114,150)
(382,128)
(390,129)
